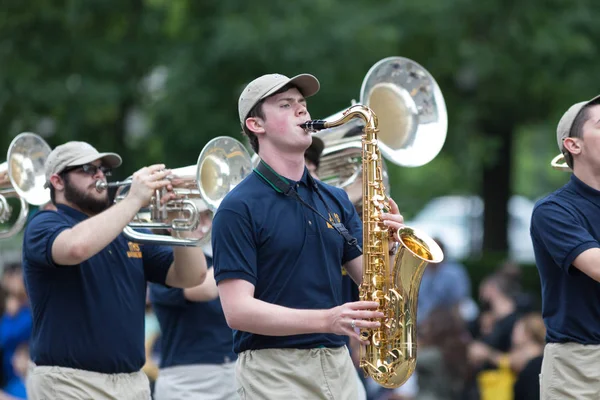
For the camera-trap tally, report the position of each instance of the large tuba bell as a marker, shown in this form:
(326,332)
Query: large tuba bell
(223,163)
(412,119)
(22,176)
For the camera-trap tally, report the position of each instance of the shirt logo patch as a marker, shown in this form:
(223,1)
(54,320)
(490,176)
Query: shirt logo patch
(134,250)
(334,219)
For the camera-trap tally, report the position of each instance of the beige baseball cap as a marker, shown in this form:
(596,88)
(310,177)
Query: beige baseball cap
(266,85)
(563,130)
(72,154)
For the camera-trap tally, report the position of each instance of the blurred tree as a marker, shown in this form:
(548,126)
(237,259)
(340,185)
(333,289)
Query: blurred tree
(504,67)
(156,79)
(72,70)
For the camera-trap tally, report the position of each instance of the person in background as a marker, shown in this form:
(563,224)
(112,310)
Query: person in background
(197,358)
(527,352)
(443,284)
(15,329)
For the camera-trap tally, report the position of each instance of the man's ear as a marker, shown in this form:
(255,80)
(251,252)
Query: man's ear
(57,182)
(255,125)
(573,145)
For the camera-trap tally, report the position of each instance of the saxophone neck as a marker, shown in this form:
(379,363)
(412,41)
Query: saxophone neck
(356,111)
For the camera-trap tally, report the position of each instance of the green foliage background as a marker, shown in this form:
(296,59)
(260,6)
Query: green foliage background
(156,79)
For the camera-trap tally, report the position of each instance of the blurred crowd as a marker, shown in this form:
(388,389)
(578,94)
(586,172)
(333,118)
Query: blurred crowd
(485,345)
(15,331)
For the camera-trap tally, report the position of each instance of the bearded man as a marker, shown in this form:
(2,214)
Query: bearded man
(87,283)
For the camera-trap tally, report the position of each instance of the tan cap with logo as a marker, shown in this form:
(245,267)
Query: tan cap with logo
(563,130)
(72,154)
(266,85)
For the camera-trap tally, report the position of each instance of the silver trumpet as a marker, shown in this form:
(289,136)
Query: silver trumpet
(223,163)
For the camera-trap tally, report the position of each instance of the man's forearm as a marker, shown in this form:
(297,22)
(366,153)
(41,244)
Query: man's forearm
(189,267)
(89,237)
(262,318)
(206,291)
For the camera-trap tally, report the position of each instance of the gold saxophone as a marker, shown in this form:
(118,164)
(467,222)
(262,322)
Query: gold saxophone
(389,357)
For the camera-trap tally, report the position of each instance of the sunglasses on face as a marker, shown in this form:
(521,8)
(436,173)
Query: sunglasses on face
(89,169)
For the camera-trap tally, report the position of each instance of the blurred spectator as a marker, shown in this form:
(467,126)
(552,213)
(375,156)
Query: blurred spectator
(444,284)
(525,301)
(15,330)
(497,296)
(527,352)
(312,156)
(151,335)
(442,355)
(495,378)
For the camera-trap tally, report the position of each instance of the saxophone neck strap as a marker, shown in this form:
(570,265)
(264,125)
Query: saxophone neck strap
(283,186)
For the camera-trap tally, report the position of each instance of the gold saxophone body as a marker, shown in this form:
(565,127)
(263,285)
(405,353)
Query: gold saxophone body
(401,116)
(390,355)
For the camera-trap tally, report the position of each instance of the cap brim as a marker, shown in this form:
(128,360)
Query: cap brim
(112,160)
(306,83)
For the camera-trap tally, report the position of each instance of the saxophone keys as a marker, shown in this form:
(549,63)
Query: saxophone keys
(396,354)
(378,282)
(378,295)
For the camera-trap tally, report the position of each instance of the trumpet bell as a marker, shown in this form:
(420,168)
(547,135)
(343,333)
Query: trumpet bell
(223,163)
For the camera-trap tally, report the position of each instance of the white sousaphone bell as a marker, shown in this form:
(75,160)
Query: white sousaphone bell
(22,176)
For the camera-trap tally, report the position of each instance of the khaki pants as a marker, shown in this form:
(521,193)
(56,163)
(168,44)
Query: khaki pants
(198,382)
(570,371)
(59,383)
(296,374)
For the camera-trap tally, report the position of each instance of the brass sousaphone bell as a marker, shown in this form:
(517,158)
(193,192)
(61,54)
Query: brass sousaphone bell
(22,176)
(412,123)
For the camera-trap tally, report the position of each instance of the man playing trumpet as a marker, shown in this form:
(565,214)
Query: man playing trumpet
(87,282)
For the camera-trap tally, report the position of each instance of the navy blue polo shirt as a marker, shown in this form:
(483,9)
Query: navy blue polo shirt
(291,256)
(565,224)
(191,332)
(88,316)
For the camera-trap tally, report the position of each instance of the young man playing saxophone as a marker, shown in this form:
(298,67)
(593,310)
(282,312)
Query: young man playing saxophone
(277,261)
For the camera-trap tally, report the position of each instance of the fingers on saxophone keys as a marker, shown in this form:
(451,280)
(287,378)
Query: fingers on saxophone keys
(364,305)
(393,206)
(392,220)
(367,314)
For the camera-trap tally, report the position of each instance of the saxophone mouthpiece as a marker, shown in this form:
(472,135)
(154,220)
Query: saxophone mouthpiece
(314,125)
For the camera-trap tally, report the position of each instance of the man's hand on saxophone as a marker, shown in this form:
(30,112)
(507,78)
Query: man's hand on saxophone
(394,221)
(347,318)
